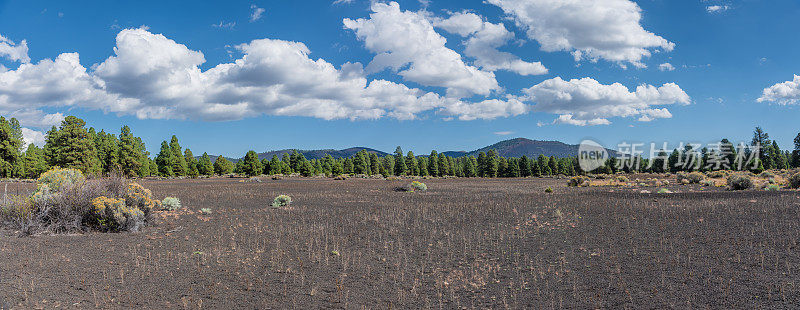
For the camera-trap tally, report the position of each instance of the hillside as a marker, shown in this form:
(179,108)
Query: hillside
(521,146)
(508,148)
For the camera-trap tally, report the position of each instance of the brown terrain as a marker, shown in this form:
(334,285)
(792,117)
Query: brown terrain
(463,244)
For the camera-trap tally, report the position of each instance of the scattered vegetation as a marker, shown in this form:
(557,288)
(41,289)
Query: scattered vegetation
(548,190)
(772,188)
(205,211)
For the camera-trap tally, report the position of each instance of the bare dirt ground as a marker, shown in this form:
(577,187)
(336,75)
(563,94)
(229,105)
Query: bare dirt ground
(464,244)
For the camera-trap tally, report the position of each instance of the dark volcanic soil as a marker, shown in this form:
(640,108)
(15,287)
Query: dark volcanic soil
(463,244)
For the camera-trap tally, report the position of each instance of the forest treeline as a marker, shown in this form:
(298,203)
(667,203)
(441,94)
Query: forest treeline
(72,145)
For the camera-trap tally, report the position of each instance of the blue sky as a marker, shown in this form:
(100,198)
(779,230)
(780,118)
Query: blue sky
(226,81)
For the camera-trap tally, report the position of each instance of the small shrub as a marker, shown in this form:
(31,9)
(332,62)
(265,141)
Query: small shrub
(740,182)
(691,178)
(548,190)
(622,179)
(578,181)
(710,183)
(282,201)
(112,214)
(418,186)
(794,180)
(205,211)
(664,191)
(772,188)
(136,196)
(252,180)
(340,178)
(171,203)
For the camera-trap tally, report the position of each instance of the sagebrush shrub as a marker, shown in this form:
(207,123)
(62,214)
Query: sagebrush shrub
(740,182)
(623,179)
(716,174)
(418,186)
(136,196)
(113,214)
(578,181)
(691,178)
(282,201)
(171,203)
(65,201)
(56,180)
(772,188)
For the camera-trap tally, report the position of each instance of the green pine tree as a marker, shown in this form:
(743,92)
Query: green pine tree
(34,162)
(399,162)
(70,146)
(223,166)
(251,166)
(204,165)
(165,161)
(179,166)
(191,164)
(129,155)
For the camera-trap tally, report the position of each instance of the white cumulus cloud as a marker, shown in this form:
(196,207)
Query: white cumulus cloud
(484,40)
(597,29)
(406,42)
(786,93)
(154,77)
(14,51)
(588,102)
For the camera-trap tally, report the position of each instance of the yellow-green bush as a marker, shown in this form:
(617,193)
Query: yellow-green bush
(56,180)
(418,186)
(691,178)
(112,214)
(136,196)
(578,181)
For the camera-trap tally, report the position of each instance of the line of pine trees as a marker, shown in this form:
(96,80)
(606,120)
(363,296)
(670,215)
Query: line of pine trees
(488,165)
(72,145)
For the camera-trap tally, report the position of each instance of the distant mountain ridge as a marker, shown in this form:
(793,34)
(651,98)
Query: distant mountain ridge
(524,147)
(509,148)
